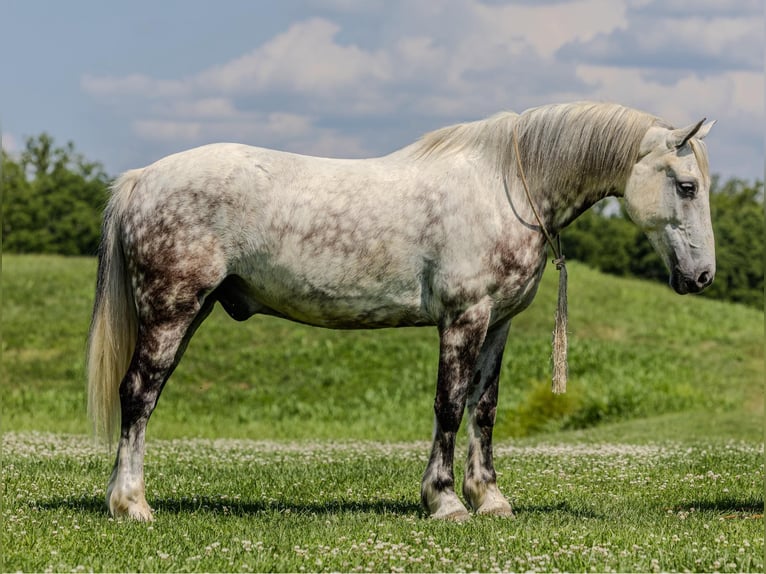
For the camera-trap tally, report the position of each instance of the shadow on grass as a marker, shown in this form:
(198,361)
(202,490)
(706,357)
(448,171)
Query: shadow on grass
(92,504)
(750,507)
(243,508)
(562,507)
(218,506)
(97,505)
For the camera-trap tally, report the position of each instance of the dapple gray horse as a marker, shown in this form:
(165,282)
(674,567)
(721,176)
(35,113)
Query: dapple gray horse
(439,233)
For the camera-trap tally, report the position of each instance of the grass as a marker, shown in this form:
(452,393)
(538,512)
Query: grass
(652,461)
(242,505)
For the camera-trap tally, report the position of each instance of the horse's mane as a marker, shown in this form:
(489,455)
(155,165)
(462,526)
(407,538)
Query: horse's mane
(491,134)
(562,146)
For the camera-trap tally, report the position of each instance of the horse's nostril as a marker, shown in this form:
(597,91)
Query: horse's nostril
(704,278)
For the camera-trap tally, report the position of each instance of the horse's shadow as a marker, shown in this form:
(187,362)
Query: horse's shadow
(562,507)
(236,507)
(391,507)
(731,506)
(285,506)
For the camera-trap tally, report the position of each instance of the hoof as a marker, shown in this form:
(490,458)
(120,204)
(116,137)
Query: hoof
(141,514)
(503,510)
(446,505)
(133,508)
(459,515)
(486,499)
(138,512)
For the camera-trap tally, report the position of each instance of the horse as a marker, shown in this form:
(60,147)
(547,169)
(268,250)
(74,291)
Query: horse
(438,233)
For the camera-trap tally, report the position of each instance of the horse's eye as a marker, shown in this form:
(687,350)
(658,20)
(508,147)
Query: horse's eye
(686,188)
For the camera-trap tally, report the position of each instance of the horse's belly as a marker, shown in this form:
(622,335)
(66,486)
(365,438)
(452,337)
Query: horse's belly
(347,303)
(348,312)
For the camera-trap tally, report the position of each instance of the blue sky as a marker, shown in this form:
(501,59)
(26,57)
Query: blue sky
(130,82)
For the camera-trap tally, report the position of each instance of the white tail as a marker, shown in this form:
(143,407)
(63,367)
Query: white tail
(114,325)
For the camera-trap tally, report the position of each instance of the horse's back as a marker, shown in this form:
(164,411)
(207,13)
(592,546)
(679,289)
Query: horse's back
(227,173)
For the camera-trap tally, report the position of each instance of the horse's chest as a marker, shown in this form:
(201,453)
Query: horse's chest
(516,273)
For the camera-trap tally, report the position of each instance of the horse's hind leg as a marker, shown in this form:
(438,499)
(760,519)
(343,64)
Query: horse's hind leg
(162,338)
(460,343)
(480,481)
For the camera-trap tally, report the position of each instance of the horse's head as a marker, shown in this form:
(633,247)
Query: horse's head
(667,196)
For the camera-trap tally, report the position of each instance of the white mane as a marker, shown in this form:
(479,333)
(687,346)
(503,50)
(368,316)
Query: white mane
(562,146)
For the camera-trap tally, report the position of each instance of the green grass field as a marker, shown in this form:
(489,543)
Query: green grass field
(281,447)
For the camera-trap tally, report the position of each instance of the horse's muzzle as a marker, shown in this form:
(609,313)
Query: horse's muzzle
(699,281)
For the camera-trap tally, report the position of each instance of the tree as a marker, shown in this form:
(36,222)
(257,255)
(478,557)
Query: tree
(738,222)
(52,200)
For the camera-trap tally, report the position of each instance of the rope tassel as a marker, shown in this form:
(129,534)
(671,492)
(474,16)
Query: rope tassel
(560,342)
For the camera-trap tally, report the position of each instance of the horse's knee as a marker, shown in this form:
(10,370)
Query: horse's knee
(448,415)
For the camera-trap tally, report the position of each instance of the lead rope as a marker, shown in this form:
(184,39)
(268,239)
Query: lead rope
(560,343)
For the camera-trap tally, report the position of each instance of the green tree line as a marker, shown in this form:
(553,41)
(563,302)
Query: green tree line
(53,199)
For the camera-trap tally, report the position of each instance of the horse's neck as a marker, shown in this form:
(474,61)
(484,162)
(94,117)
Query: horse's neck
(560,207)
(574,162)
(557,202)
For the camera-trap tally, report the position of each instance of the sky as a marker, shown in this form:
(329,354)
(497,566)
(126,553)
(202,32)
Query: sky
(130,82)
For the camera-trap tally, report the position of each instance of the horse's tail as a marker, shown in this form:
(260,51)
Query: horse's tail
(114,324)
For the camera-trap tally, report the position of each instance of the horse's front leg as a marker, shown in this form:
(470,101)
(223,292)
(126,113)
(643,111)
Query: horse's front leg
(460,343)
(480,481)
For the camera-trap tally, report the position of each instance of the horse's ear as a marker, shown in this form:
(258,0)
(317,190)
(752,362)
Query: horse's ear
(678,138)
(704,130)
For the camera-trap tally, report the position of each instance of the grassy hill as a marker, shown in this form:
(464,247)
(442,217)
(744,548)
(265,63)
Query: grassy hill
(644,363)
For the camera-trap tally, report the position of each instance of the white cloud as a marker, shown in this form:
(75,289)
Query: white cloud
(692,43)
(546,27)
(682,101)
(330,143)
(441,61)
(291,132)
(304,59)
(421,54)
(697,8)
(323,86)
